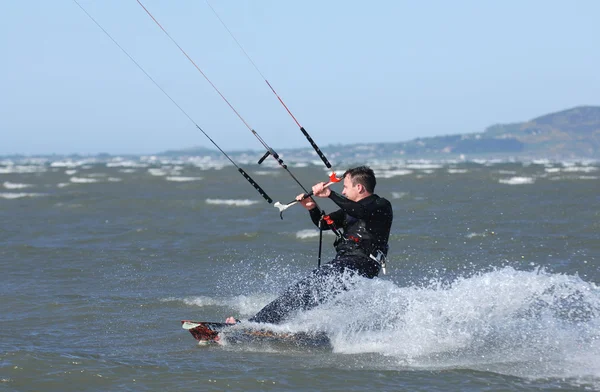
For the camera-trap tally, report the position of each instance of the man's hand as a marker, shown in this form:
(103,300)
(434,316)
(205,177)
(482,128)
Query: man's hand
(307,203)
(320,190)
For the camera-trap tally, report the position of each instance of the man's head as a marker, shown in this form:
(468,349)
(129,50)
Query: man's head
(359,182)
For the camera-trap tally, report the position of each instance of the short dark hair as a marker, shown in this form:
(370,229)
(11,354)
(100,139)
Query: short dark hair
(362,175)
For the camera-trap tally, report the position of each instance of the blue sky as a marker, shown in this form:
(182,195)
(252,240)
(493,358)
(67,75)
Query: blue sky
(350,71)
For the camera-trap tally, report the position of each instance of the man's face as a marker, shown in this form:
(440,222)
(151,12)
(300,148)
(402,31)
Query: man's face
(352,192)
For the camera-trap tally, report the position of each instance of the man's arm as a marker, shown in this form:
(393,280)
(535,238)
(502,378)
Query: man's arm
(320,190)
(356,209)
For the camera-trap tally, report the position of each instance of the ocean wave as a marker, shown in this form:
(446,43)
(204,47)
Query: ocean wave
(182,179)
(457,171)
(267,173)
(117,162)
(300,164)
(583,169)
(552,169)
(307,233)
(83,180)
(7,195)
(393,173)
(517,180)
(69,163)
(12,185)
(20,169)
(232,202)
(399,195)
(157,172)
(311,233)
(424,166)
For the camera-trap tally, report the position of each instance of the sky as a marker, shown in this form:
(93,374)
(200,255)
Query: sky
(349,71)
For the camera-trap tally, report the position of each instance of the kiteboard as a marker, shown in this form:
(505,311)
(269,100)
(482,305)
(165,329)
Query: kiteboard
(216,333)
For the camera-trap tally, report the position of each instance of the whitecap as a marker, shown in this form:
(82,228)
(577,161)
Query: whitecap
(69,163)
(399,195)
(300,164)
(232,202)
(12,185)
(584,169)
(517,180)
(125,163)
(424,166)
(394,173)
(183,179)
(7,195)
(20,169)
(207,163)
(541,161)
(310,233)
(307,233)
(157,172)
(552,169)
(83,180)
(267,173)
(63,164)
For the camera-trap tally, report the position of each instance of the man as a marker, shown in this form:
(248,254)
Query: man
(365,220)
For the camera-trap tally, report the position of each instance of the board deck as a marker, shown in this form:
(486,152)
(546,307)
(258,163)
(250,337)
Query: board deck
(213,332)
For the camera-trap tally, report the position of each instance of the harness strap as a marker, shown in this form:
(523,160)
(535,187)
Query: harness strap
(331,224)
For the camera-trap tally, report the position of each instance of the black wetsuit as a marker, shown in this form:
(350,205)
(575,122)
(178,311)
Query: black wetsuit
(366,228)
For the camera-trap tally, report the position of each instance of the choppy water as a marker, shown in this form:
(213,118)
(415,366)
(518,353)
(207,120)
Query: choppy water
(492,282)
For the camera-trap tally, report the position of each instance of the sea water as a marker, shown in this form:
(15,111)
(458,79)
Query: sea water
(492,277)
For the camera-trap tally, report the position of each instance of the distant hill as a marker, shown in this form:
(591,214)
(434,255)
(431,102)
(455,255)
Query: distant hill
(572,133)
(569,133)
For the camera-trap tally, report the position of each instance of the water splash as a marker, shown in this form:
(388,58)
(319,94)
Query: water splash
(531,324)
(524,323)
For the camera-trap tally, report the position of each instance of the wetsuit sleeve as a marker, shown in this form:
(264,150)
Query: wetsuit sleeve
(337,217)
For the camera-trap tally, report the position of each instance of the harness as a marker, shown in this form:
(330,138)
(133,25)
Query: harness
(356,240)
(361,244)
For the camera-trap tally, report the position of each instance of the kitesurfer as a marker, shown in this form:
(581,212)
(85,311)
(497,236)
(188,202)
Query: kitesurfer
(365,220)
